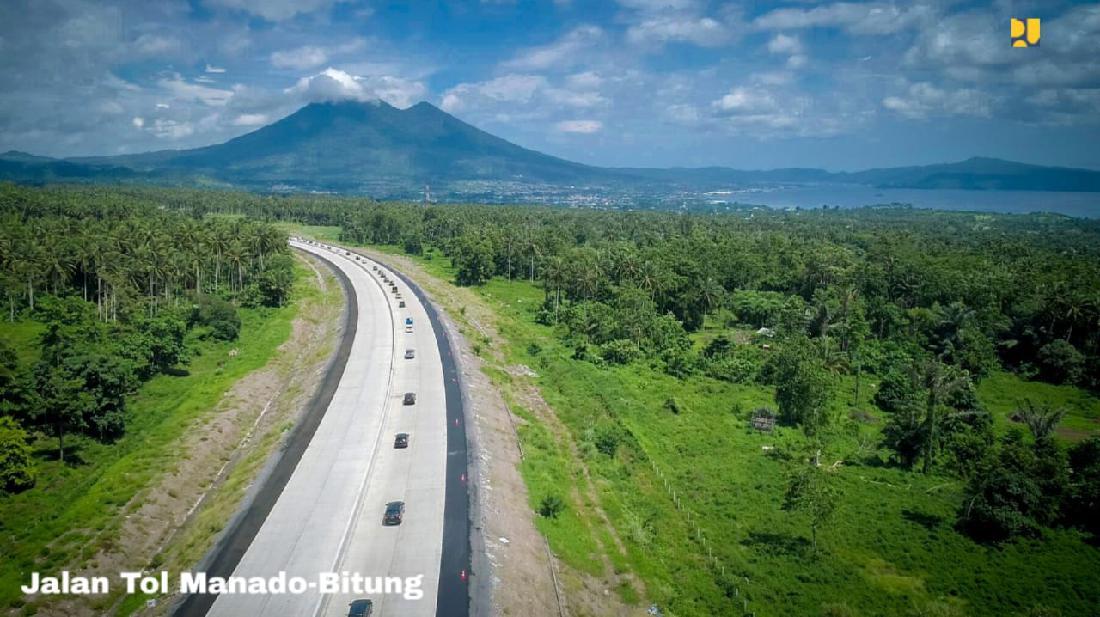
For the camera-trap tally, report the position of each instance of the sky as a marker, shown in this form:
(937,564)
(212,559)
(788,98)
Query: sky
(656,83)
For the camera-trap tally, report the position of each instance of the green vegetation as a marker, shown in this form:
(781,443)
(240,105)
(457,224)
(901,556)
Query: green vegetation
(125,322)
(928,373)
(890,546)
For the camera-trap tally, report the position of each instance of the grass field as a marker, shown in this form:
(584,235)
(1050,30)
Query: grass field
(75,510)
(891,550)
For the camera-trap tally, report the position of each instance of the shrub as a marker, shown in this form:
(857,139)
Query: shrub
(551,506)
(16,457)
(218,315)
(607,438)
(1060,362)
(620,351)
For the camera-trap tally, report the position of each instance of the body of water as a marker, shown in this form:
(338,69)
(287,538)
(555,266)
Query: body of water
(1085,205)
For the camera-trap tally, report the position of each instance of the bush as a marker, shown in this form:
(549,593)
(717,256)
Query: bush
(899,391)
(218,315)
(607,438)
(275,282)
(620,351)
(551,506)
(16,457)
(1082,507)
(1003,498)
(1060,362)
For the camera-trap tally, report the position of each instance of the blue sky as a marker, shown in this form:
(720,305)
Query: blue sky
(839,85)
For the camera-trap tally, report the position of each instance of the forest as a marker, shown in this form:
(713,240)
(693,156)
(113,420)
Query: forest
(862,335)
(117,287)
(927,302)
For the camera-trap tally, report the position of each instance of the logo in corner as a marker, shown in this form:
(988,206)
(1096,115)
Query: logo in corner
(1025,32)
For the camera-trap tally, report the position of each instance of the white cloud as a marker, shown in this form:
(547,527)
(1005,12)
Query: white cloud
(585,80)
(659,5)
(171,129)
(214,69)
(784,44)
(138,121)
(790,46)
(275,10)
(507,88)
(742,100)
(579,126)
(563,53)
(156,45)
(301,58)
(856,18)
(334,85)
(923,99)
(702,31)
(251,120)
(571,98)
(186,91)
(770,105)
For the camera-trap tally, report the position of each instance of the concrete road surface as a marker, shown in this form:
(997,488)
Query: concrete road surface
(328,517)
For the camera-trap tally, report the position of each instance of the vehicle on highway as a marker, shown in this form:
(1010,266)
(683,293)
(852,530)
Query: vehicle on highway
(395,510)
(408,321)
(408,329)
(394,289)
(401,441)
(410,399)
(410,354)
(401,304)
(360,608)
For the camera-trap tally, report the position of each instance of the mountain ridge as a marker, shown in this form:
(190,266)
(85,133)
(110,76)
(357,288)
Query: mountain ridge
(373,147)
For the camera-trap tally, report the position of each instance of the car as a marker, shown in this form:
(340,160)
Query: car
(394,289)
(409,329)
(410,399)
(395,511)
(408,321)
(401,304)
(360,608)
(401,441)
(410,354)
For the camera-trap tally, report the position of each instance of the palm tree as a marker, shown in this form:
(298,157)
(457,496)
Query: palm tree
(1041,419)
(941,382)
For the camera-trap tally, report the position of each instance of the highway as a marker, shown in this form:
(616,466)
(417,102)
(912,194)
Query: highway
(328,517)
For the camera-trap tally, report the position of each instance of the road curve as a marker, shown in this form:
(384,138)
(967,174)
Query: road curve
(328,517)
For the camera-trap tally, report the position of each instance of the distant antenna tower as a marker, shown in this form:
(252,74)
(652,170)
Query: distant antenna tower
(427,195)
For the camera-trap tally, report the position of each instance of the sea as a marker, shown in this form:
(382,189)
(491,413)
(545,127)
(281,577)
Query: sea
(1080,205)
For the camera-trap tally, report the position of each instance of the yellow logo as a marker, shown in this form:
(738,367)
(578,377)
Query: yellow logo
(1025,32)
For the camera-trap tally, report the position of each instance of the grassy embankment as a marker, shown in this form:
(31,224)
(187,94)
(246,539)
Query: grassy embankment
(75,510)
(892,548)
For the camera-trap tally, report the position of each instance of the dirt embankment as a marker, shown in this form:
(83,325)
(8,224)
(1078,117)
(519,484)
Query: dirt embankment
(173,522)
(525,577)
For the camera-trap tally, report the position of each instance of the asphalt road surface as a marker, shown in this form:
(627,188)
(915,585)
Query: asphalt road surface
(328,517)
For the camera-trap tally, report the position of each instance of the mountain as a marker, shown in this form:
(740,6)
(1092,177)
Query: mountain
(980,173)
(375,148)
(351,145)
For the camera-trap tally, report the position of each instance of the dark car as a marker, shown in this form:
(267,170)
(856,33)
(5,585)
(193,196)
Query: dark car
(395,511)
(401,304)
(409,354)
(410,398)
(401,441)
(360,608)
